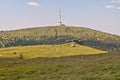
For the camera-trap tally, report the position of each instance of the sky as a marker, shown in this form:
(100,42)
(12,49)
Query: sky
(103,15)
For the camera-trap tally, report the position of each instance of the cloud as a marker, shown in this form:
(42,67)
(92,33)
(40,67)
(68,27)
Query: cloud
(114,5)
(117,1)
(110,6)
(118,8)
(34,4)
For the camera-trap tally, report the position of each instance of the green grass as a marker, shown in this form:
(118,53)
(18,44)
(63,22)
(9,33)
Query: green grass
(48,51)
(89,67)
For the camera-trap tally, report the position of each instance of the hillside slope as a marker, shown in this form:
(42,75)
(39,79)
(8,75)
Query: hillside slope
(48,51)
(58,35)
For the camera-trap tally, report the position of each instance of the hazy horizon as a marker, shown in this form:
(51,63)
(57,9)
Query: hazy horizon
(101,15)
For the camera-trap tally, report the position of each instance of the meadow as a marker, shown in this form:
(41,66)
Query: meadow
(82,67)
(36,51)
(58,62)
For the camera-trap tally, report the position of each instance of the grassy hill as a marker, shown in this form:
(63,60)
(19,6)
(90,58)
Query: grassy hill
(58,35)
(47,51)
(26,54)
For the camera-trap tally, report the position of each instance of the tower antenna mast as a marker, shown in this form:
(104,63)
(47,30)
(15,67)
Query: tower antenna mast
(60,18)
(60,15)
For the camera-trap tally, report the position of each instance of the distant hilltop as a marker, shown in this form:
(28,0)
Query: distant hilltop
(58,35)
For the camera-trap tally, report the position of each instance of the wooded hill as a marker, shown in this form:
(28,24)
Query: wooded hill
(58,35)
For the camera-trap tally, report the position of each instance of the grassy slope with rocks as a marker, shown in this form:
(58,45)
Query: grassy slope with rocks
(28,52)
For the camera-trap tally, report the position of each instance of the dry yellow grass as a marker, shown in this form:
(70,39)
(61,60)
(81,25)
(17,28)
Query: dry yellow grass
(68,49)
